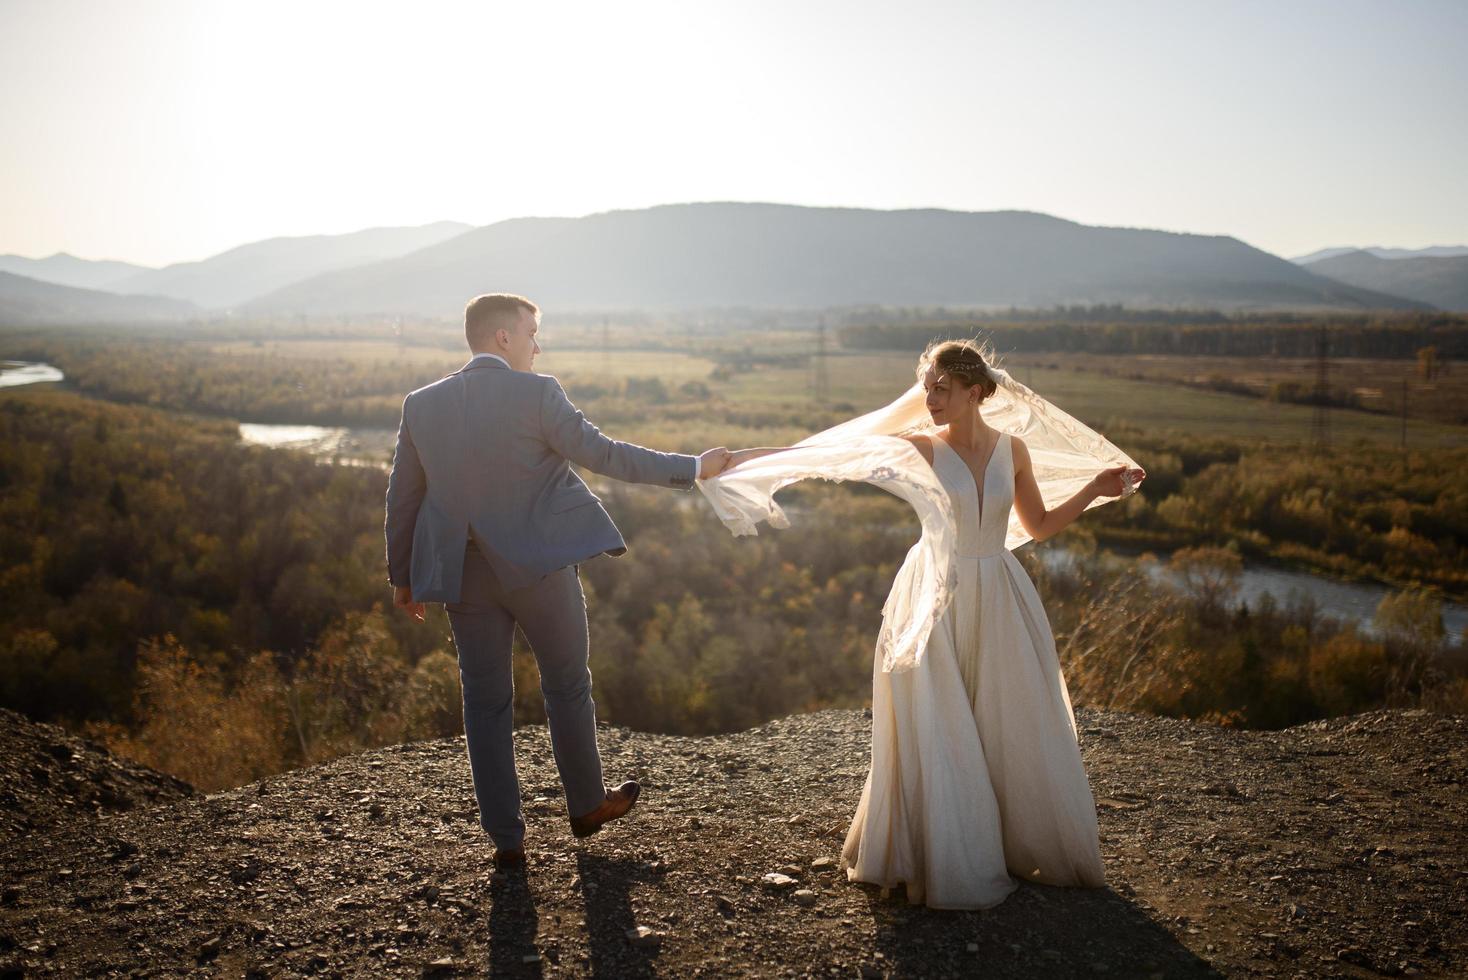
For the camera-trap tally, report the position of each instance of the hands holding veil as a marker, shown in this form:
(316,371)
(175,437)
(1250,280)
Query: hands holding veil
(713,462)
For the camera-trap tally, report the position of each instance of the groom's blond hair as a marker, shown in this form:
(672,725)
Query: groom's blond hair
(491,312)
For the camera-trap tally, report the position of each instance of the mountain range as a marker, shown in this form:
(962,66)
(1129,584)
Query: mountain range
(242,273)
(25,301)
(1438,279)
(68,270)
(773,256)
(714,255)
(1432,251)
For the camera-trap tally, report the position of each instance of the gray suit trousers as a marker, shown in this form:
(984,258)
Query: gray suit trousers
(552,615)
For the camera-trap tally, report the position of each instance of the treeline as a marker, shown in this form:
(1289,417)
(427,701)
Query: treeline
(1376,336)
(209,607)
(252,386)
(118,524)
(696,632)
(1356,512)
(1195,650)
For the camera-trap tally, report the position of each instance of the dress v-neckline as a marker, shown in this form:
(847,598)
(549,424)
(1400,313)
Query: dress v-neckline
(979,482)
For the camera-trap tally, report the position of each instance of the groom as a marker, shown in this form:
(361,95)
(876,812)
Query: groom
(485,515)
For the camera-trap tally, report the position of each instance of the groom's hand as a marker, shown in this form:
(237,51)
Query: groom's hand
(712,463)
(402,597)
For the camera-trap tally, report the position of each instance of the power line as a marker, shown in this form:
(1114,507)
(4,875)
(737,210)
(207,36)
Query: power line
(1320,418)
(822,379)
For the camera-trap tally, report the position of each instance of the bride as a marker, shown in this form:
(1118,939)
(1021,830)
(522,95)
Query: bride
(976,776)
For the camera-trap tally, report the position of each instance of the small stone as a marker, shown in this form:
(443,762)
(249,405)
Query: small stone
(644,938)
(245,873)
(778,881)
(799,820)
(973,947)
(805,896)
(823,864)
(529,958)
(209,948)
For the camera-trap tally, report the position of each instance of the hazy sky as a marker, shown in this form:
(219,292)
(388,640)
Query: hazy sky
(165,130)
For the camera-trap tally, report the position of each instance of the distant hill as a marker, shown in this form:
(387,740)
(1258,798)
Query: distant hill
(230,278)
(1433,251)
(68,270)
(26,300)
(772,256)
(1440,281)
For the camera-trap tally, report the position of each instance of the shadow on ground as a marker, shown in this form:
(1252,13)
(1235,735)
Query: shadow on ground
(1037,931)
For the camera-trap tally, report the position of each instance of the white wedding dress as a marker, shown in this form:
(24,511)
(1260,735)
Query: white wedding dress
(976,774)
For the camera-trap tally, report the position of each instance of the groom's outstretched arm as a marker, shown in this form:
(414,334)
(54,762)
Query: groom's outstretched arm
(406,486)
(571,434)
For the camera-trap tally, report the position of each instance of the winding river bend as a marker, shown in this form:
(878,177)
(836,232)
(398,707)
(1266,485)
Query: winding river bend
(1347,601)
(13,374)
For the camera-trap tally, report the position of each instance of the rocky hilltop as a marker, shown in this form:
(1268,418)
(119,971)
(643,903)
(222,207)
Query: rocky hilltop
(1337,848)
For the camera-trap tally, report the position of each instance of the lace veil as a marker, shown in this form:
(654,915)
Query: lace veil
(1065,455)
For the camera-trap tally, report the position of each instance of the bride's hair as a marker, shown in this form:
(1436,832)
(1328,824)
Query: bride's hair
(965,360)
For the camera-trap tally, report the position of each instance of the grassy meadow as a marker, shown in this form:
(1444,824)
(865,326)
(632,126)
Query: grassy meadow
(1146,392)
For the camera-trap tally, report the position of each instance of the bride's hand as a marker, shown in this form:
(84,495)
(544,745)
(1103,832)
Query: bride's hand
(1112,482)
(745,455)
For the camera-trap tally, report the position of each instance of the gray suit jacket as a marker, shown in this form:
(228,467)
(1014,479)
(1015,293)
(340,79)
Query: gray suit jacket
(486,452)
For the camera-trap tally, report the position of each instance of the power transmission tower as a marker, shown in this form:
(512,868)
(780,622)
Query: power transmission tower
(821,382)
(1320,419)
(1404,412)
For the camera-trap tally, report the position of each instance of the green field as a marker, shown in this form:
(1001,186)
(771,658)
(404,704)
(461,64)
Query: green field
(866,381)
(670,367)
(764,403)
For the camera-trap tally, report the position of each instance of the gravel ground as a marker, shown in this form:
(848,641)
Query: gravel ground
(1331,849)
(50,776)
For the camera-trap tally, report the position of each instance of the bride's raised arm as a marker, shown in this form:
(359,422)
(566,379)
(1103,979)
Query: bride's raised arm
(738,456)
(920,443)
(1040,523)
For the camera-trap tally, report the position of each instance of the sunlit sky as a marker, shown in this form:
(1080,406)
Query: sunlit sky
(166,130)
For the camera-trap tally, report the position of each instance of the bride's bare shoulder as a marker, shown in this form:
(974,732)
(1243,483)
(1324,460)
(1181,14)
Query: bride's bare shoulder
(922,444)
(1019,451)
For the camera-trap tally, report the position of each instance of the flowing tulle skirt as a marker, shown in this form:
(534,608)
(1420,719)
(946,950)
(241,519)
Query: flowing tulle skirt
(976,774)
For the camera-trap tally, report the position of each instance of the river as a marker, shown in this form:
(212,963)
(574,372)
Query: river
(13,374)
(1354,601)
(352,447)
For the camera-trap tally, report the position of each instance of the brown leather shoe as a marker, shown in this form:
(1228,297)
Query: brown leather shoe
(509,858)
(617,803)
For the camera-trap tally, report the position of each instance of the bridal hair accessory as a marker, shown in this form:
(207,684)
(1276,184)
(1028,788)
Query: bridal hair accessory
(965,367)
(1064,455)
